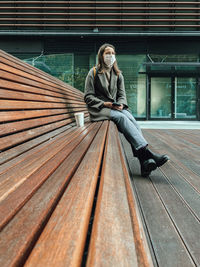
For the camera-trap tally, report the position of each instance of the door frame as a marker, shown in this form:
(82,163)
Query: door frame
(173,77)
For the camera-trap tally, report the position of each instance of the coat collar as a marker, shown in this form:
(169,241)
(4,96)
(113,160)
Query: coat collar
(113,80)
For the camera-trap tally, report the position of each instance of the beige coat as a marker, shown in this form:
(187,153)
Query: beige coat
(96,95)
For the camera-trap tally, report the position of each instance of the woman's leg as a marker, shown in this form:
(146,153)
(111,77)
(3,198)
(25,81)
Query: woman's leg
(132,119)
(144,154)
(129,127)
(159,159)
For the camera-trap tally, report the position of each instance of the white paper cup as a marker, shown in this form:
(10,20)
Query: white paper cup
(79,119)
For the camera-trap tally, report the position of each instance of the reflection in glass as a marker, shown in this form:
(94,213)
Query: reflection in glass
(58,65)
(174,58)
(185,97)
(160,97)
(135,83)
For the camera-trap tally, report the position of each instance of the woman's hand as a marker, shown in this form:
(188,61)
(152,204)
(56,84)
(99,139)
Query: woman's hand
(118,107)
(110,105)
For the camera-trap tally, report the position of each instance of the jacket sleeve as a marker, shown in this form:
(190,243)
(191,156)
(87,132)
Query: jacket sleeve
(121,94)
(90,97)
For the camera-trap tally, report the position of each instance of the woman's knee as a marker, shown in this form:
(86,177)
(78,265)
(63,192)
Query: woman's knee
(132,119)
(129,115)
(119,118)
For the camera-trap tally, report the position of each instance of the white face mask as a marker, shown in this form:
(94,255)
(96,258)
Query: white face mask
(109,60)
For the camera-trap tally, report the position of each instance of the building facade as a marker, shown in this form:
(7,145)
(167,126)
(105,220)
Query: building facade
(157,45)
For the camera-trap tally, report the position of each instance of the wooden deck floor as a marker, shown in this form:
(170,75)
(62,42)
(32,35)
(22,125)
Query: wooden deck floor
(169,200)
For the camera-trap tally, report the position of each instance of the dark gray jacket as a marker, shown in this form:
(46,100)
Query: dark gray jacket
(97,92)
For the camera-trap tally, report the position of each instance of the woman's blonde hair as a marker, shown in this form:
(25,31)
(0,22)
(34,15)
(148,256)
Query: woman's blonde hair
(101,65)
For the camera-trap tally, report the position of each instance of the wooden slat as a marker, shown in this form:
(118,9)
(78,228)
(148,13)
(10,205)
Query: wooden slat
(116,14)
(12,66)
(112,240)
(33,148)
(105,8)
(65,240)
(17,104)
(29,114)
(19,150)
(15,86)
(103,25)
(36,73)
(13,127)
(104,2)
(11,140)
(11,94)
(190,138)
(188,156)
(187,191)
(176,187)
(163,235)
(16,188)
(100,19)
(30,163)
(144,257)
(32,217)
(187,174)
(184,155)
(100,8)
(181,214)
(20,76)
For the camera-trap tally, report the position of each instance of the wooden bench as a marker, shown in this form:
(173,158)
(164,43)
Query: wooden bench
(51,173)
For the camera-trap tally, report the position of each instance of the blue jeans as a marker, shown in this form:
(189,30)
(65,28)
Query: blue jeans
(127,125)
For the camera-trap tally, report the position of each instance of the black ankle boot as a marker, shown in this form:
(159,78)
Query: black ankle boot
(147,164)
(159,159)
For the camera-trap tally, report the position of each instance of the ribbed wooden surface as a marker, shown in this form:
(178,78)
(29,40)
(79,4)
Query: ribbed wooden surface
(32,104)
(115,229)
(88,15)
(49,173)
(35,191)
(170,199)
(40,144)
(46,199)
(63,240)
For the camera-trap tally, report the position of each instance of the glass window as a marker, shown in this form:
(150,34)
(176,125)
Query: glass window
(174,58)
(135,83)
(58,65)
(160,97)
(81,63)
(185,97)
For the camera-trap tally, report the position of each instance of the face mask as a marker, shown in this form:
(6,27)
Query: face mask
(109,60)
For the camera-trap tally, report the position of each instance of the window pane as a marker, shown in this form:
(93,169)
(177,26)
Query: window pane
(135,83)
(185,98)
(160,97)
(58,65)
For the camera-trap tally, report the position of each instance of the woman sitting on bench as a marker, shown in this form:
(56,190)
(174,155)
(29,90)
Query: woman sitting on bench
(106,100)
